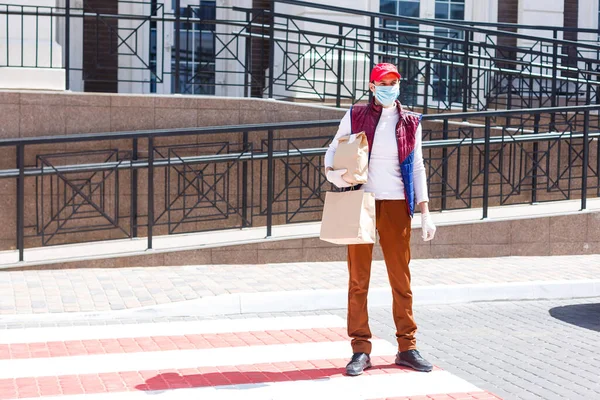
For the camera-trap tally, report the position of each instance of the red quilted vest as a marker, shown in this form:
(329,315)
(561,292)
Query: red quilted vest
(365,117)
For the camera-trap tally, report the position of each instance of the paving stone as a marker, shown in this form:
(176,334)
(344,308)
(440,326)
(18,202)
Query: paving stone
(508,348)
(505,363)
(128,287)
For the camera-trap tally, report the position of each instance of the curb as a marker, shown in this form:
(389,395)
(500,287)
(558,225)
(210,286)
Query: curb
(319,300)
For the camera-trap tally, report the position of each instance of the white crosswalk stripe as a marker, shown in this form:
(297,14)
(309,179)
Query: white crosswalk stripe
(270,358)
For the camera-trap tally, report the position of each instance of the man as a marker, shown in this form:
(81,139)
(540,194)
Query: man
(398,180)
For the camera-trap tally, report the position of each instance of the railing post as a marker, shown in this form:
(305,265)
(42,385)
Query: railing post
(534,181)
(150,188)
(486,168)
(465,80)
(245,183)
(270,184)
(371,52)
(338,100)
(509,98)
(427,79)
(134,191)
(588,88)
(445,167)
(586,158)
(177,45)
(553,99)
(247,65)
(271,48)
(21,201)
(67,44)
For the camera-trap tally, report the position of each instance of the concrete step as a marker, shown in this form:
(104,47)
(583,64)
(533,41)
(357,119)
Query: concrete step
(552,228)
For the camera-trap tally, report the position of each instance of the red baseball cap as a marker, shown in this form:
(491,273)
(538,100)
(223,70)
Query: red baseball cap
(381,70)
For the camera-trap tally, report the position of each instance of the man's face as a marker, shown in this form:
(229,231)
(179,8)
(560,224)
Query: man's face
(386,80)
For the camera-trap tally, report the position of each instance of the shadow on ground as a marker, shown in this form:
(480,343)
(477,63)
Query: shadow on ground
(583,315)
(259,375)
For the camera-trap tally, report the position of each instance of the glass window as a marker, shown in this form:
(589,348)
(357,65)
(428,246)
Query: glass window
(208,12)
(404,8)
(457,11)
(450,9)
(388,6)
(409,8)
(407,33)
(441,10)
(197,44)
(447,81)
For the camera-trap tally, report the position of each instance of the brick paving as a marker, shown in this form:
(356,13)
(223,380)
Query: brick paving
(71,290)
(259,358)
(516,350)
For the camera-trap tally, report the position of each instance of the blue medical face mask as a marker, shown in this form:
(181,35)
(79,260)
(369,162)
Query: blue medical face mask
(386,95)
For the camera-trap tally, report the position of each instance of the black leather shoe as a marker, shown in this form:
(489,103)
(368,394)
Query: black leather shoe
(413,359)
(358,363)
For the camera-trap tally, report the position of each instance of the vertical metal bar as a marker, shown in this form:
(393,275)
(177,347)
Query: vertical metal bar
(371,52)
(188,45)
(338,99)
(586,158)
(486,168)
(534,181)
(51,30)
(177,44)
(270,184)
(509,98)
(245,183)
(478,80)
(553,98)
(271,48)
(8,38)
(37,38)
(247,66)
(21,201)
(23,38)
(427,79)
(588,88)
(445,166)
(134,191)
(465,74)
(150,188)
(67,44)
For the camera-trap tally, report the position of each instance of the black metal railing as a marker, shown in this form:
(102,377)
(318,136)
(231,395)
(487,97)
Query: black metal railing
(446,65)
(163,182)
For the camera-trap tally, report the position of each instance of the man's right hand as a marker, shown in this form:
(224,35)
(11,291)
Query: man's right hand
(335,177)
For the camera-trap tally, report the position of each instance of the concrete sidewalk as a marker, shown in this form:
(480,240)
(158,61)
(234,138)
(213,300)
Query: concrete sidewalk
(229,289)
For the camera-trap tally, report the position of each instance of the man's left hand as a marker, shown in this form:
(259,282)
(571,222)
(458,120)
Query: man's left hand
(428,227)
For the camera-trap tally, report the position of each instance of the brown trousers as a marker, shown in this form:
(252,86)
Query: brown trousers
(393,226)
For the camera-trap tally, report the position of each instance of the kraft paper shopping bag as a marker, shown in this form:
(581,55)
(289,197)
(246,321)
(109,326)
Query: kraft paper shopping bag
(352,154)
(349,218)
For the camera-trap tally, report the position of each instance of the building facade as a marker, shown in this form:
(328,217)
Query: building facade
(141,54)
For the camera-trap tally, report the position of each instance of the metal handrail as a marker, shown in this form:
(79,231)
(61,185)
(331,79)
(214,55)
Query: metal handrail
(249,156)
(269,155)
(466,61)
(455,53)
(165,18)
(414,20)
(155,133)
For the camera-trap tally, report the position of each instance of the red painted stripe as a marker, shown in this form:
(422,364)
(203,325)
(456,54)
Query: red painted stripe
(162,343)
(449,396)
(185,378)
